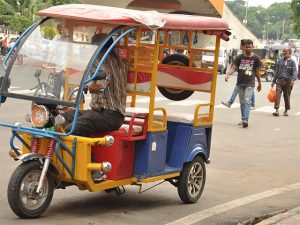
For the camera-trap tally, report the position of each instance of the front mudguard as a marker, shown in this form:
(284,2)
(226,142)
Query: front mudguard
(31,156)
(270,71)
(41,158)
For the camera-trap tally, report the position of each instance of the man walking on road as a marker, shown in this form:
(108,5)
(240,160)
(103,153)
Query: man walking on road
(247,65)
(235,90)
(285,75)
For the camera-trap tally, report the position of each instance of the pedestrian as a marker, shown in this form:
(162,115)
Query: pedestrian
(235,90)
(284,78)
(247,65)
(4,46)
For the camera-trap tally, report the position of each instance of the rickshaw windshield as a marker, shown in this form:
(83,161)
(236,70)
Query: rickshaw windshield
(52,60)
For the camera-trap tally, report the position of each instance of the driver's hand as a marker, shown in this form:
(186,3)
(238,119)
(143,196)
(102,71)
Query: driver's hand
(94,88)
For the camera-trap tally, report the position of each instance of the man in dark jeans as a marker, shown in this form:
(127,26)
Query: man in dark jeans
(247,65)
(285,75)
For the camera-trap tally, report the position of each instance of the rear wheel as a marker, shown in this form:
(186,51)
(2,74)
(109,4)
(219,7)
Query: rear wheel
(192,180)
(172,93)
(21,192)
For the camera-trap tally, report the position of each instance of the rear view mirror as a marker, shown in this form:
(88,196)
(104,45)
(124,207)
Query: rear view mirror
(5,88)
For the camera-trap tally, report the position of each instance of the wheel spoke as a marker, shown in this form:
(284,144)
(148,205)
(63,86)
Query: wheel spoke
(197,186)
(198,169)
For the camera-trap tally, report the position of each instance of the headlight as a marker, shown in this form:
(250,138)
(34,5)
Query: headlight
(39,115)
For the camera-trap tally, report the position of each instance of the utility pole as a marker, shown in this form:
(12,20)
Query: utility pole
(283,23)
(246,13)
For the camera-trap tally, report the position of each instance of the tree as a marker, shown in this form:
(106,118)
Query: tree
(19,14)
(295,7)
(63,2)
(19,23)
(238,7)
(266,23)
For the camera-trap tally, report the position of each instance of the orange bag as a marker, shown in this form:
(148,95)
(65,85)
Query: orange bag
(272,95)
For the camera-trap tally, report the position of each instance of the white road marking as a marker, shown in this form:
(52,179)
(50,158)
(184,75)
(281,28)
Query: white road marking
(188,103)
(23,91)
(233,106)
(267,109)
(12,87)
(147,100)
(204,214)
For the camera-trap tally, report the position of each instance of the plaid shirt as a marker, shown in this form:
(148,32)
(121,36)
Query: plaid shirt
(114,95)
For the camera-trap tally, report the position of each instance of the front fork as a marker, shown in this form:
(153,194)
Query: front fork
(44,174)
(48,158)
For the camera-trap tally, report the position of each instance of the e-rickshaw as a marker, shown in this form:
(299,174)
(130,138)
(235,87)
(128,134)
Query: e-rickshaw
(268,59)
(153,144)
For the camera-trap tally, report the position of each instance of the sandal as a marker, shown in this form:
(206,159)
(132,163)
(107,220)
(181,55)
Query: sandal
(275,113)
(285,114)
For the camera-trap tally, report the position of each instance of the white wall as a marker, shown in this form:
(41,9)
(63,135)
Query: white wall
(238,31)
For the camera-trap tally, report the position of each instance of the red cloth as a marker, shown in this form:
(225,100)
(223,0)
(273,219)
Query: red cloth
(4,42)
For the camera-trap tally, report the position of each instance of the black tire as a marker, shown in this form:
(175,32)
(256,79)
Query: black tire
(24,181)
(190,187)
(171,93)
(269,76)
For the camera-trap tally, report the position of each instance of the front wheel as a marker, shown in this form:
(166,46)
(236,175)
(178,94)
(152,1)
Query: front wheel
(269,76)
(192,181)
(21,192)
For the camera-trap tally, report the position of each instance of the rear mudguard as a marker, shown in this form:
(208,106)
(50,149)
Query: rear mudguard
(198,150)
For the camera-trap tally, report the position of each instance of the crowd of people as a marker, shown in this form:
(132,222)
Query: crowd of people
(247,64)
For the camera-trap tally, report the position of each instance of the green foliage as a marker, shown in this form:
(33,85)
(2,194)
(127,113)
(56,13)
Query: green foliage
(63,2)
(49,32)
(19,23)
(295,7)
(238,7)
(273,22)
(19,14)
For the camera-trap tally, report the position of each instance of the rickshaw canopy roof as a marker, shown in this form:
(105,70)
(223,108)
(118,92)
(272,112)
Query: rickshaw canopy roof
(151,19)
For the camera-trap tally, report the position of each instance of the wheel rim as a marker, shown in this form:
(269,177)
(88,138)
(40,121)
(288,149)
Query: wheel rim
(195,180)
(174,91)
(28,196)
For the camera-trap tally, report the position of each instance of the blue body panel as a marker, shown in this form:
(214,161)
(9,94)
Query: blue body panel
(150,155)
(166,152)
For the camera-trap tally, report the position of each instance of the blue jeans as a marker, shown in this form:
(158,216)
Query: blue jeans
(245,95)
(234,94)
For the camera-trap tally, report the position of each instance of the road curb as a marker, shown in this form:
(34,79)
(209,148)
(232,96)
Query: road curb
(280,217)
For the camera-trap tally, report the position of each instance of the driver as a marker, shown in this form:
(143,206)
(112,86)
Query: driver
(107,111)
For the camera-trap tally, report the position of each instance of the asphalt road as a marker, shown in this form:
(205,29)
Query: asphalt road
(253,172)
